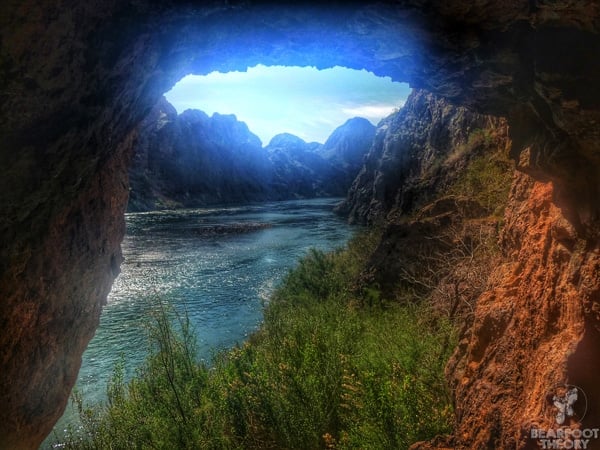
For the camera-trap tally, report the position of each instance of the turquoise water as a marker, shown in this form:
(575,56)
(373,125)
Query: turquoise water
(219,264)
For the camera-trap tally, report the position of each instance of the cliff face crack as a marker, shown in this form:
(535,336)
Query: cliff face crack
(75,82)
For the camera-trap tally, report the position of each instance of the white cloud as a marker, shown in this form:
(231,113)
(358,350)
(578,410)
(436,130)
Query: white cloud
(376,112)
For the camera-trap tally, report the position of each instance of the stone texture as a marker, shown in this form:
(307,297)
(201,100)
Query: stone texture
(417,153)
(52,298)
(77,77)
(534,328)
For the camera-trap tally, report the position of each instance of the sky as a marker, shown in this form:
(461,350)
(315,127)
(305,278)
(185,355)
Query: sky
(303,101)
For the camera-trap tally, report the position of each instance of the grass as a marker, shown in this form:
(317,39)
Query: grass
(487,177)
(333,366)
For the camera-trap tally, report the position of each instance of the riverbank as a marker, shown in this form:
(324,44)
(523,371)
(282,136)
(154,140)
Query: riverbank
(220,278)
(334,365)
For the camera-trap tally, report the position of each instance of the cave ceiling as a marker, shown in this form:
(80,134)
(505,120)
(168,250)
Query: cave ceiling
(92,72)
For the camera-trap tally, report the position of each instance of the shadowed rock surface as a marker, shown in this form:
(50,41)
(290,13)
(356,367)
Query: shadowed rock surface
(417,152)
(76,78)
(190,160)
(298,169)
(345,148)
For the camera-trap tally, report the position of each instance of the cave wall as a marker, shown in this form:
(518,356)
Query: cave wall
(535,328)
(77,77)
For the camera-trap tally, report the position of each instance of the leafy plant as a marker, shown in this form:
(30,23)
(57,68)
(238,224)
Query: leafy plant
(324,371)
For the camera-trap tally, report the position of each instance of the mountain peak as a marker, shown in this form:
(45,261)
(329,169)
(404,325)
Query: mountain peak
(286,140)
(357,122)
(348,142)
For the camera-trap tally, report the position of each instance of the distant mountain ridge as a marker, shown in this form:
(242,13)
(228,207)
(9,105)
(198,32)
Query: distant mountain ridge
(192,159)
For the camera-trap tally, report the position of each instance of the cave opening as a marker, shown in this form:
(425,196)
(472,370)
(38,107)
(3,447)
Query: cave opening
(266,118)
(304,101)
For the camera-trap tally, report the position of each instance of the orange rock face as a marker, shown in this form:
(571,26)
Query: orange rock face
(535,329)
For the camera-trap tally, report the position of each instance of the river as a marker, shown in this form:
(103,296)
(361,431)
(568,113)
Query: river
(220,264)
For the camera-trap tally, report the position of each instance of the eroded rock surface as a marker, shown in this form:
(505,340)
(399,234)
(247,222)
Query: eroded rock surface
(535,328)
(77,77)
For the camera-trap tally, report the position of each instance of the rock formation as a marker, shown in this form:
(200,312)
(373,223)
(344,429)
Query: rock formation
(436,180)
(416,153)
(312,169)
(299,170)
(533,329)
(191,159)
(345,148)
(76,79)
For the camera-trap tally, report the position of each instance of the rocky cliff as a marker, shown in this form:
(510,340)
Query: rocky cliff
(311,169)
(417,152)
(345,148)
(299,169)
(437,176)
(191,159)
(76,78)
(532,332)
(509,263)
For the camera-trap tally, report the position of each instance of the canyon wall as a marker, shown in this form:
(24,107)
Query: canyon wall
(76,78)
(417,152)
(535,328)
(529,314)
(191,160)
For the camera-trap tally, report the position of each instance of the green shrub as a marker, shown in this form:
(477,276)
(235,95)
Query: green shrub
(487,178)
(322,372)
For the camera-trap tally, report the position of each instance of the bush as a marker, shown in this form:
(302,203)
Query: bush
(487,177)
(322,372)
